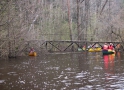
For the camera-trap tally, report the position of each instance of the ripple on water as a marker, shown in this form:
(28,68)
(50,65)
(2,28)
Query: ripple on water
(110,78)
(2,81)
(68,69)
(98,85)
(12,73)
(79,76)
(98,67)
(117,86)
(22,82)
(76,83)
(40,71)
(63,88)
(114,76)
(52,68)
(87,87)
(67,84)
(27,63)
(92,80)
(113,86)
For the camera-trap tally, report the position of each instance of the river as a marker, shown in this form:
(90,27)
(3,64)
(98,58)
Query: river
(63,71)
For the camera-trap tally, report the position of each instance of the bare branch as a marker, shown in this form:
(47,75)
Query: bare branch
(103,7)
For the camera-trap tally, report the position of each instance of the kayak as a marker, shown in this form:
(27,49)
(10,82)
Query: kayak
(107,52)
(33,54)
(79,49)
(91,49)
(95,50)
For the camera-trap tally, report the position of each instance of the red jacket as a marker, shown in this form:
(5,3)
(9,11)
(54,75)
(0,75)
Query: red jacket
(111,47)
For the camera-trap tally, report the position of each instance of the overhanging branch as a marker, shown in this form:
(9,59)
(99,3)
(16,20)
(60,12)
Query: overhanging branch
(103,7)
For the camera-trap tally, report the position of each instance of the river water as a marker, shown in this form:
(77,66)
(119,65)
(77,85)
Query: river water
(72,71)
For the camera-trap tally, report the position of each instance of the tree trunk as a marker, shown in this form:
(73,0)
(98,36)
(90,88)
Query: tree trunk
(69,18)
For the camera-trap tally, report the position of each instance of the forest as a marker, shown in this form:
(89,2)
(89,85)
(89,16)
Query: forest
(90,20)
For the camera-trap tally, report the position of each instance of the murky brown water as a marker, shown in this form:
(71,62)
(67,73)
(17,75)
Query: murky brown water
(63,72)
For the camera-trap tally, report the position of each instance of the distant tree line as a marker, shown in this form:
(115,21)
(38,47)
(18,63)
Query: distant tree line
(61,19)
(90,20)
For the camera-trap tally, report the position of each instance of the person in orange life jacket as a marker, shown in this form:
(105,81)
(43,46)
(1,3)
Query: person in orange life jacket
(84,47)
(32,50)
(111,47)
(105,47)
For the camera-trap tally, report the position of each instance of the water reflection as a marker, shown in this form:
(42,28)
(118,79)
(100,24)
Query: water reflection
(109,63)
(118,55)
(82,71)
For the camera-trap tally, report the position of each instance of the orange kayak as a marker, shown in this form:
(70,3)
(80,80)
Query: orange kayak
(33,54)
